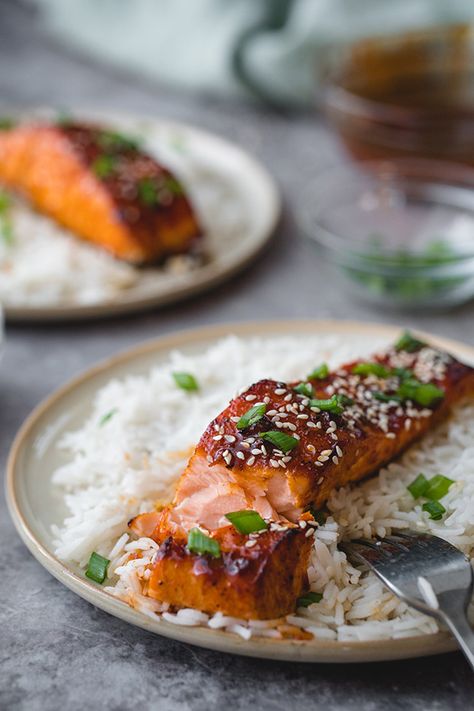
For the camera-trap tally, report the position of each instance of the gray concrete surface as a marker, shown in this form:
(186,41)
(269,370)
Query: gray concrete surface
(57,651)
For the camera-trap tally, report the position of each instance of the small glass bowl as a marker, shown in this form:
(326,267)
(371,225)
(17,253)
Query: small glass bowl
(399,233)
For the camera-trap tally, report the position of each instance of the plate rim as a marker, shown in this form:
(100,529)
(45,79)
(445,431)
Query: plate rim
(288,650)
(210,275)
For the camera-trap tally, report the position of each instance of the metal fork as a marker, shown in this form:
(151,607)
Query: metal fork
(427,573)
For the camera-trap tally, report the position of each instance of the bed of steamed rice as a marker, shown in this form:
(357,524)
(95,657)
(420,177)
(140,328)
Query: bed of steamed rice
(123,466)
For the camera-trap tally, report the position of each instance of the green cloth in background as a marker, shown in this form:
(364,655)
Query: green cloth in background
(274,49)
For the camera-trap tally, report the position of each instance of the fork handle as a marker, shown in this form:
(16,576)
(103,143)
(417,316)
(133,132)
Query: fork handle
(452,611)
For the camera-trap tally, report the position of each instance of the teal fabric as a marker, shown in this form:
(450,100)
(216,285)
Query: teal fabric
(273,49)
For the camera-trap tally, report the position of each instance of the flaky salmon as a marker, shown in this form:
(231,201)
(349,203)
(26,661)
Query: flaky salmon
(100,185)
(278,450)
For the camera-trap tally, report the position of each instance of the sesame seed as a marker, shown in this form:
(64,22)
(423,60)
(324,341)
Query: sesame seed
(302,524)
(280,391)
(286,459)
(311,448)
(318,425)
(250,461)
(227,457)
(311,424)
(296,436)
(251,543)
(290,426)
(335,460)
(270,413)
(255,451)
(333,424)
(319,464)
(320,480)
(266,400)
(309,532)
(249,398)
(390,435)
(229,438)
(217,438)
(209,458)
(288,397)
(322,458)
(326,452)
(302,417)
(282,464)
(407,424)
(338,451)
(240,455)
(235,419)
(274,463)
(245,444)
(263,449)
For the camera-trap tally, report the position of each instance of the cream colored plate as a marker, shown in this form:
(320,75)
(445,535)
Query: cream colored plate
(249,190)
(34,505)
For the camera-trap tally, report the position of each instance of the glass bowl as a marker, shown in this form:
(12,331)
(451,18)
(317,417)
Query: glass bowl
(408,95)
(399,233)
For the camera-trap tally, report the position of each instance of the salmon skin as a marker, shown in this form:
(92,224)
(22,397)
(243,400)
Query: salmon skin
(102,187)
(304,440)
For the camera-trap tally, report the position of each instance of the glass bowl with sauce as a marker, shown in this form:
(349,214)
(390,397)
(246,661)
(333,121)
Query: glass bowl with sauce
(399,233)
(410,95)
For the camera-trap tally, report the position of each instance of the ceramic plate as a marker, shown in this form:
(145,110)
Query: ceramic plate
(34,505)
(236,200)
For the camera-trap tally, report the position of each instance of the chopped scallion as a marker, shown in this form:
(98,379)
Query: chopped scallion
(97,568)
(281,440)
(435,510)
(147,192)
(408,343)
(371,369)
(304,389)
(246,521)
(186,381)
(418,486)
(319,373)
(252,416)
(108,416)
(201,544)
(384,397)
(114,141)
(335,404)
(438,486)
(104,166)
(424,394)
(308,599)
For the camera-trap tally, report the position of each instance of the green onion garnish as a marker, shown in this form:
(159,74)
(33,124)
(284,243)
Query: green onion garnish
(418,486)
(308,599)
(371,369)
(383,397)
(318,515)
(6,224)
(108,416)
(201,544)
(304,389)
(147,191)
(408,343)
(104,166)
(186,381)
(246,521)
(281,440)
(6,123)
(319,373)
(97,568)
(252,416)
(335,404)
(172,185)
(114,141)
(424,394)
(435,510)
(438,486)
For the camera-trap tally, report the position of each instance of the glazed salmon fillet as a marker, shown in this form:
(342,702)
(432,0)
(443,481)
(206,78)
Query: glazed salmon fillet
(102,187)
(279,450)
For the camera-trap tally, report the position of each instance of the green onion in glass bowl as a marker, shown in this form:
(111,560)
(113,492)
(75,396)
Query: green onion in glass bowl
(399,233)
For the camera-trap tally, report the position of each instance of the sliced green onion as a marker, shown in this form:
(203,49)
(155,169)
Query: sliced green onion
(173,185)
(104,166)
(383,397)
(6,223)
(403,373)
(418,486)
(304,389)
(437,487)
(246,521)
(319,373)
(114,141)
(318,515)
(408,343)
(252,416)
(308,599)
(6,123)
(435,510)
(371,369)
(108,416)
(147,191)
(335,404)
(424,394)
(201,544)
(281,440)
(97,568)
(186,381)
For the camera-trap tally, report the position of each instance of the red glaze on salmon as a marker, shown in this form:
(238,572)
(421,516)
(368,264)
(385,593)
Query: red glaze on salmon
(233,469)
(102,187)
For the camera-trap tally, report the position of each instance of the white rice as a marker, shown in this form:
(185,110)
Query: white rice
(45,265)
(122,467)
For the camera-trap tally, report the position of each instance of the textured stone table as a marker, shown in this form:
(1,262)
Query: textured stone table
(57,651)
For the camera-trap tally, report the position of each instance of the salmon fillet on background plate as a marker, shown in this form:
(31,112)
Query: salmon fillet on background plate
(237,537)
(100,185)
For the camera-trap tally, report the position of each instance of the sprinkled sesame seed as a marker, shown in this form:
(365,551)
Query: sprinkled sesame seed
(302,524)
(322,458)
(288,397)
(274,463)
(270,413)
(249,398)
(338,451)
(235,419)
(282,464)
(302,417)
(266,400)
(296,436)
(286,459)
(227,457)
(217,438)
(263,449)
(335,460)
(312,425)
(320,480)
(390,435)
(311,448)
(325,452)
(280,391)
(333,424)
(251,543)
(250,461)
(209,458)
(407,424)
(255,451)
(319,464)
(245,444)
(318,425)
(240,455)
(229,438)
(309,532)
